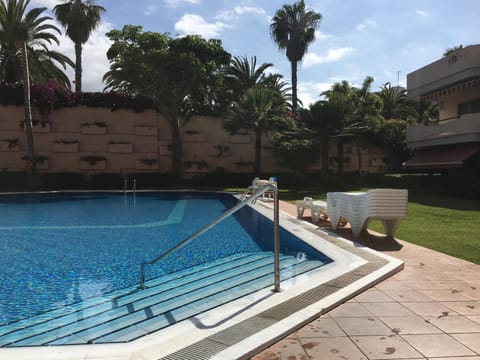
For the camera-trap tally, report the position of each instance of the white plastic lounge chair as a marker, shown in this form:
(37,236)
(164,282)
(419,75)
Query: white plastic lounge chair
(257,184)
(318,208)
(388,205)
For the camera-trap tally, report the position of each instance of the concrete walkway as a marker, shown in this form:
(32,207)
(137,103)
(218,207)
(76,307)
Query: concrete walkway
(430,310)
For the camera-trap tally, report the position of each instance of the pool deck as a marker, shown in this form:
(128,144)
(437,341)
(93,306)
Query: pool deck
(430,310)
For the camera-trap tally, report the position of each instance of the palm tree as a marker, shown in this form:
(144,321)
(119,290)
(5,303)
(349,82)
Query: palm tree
(43,65)
(396,104)
(293,30)
(79,19)
(18,29)
(260,110)
(242,75)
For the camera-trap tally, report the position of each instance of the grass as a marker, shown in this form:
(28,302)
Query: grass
(446,224)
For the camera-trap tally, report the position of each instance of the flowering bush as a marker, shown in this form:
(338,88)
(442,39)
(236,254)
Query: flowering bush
(50,96)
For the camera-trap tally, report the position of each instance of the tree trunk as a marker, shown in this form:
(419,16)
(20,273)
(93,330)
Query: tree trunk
(257,166)
(32,171)
(294,86)
(324,151)
(78,67)
(177,148)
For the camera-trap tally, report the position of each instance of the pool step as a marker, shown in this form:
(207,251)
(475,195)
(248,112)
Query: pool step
(131,313)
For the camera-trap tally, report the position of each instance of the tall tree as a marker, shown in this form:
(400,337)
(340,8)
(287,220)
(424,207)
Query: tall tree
(242,74)
(20,28)
(180,75)
(259,102)
(79,19)
(44,64)
(293,30)
(260,110)
(396,104)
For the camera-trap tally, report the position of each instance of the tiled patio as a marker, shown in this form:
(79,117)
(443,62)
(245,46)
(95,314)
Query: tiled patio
(430,310)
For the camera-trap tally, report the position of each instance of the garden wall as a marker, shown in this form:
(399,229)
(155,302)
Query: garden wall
(97,140)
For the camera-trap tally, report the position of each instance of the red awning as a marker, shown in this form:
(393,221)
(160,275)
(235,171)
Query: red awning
(441,157)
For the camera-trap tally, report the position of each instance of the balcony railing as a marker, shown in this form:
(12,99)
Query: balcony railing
(465,128)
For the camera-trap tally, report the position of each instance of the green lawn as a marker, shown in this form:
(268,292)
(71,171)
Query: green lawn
(445,224)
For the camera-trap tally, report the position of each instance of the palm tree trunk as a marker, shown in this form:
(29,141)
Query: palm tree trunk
(78,67)
(28,115)
(294,86)
(257,166)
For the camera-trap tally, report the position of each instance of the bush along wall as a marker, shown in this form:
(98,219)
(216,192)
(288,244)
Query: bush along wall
(51,95)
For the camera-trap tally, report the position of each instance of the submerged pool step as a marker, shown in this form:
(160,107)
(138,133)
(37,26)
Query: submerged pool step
(130,314)
(111,297)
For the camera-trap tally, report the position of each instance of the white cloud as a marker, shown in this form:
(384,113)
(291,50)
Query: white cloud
(50,4)
(365,24)
(195,24)
(237,11)
(309,92)
(178,3)
(421,12)
(322,36)
(94,58)
(240,10)
(332,55)
(150,10)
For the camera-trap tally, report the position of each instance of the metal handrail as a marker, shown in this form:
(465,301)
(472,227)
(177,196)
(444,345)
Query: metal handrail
(233,210)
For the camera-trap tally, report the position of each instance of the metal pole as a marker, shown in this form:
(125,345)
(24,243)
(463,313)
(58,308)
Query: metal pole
(276,241)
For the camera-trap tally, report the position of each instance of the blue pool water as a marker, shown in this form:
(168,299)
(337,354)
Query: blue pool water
(62,248)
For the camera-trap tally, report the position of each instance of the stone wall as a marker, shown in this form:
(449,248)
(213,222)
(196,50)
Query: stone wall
(95,140)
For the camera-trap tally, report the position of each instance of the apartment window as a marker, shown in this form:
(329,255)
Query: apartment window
(469,107)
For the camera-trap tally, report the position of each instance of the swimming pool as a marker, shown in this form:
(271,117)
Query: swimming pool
(70,263)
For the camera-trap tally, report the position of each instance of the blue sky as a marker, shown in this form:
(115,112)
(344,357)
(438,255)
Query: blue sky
(386,39)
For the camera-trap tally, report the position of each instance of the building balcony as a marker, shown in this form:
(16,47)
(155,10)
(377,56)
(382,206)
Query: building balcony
(462,65)
(463,129)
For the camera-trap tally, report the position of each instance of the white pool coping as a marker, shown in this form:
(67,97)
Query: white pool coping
(189,331)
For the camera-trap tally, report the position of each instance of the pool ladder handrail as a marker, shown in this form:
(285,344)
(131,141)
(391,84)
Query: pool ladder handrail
(276,233)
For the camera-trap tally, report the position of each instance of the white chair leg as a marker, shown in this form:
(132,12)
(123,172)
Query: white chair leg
(391,226)
(300,210)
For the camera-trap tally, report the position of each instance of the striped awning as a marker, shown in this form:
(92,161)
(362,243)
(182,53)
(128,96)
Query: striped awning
(442,157)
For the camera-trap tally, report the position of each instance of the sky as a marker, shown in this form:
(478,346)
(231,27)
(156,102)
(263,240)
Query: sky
(385,39)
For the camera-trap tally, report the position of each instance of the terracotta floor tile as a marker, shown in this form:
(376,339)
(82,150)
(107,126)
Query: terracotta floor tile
(285,349)
(350,310)
(473,294)
(407,296)
(464,308)
(457,358)
(425,284)
(340,348)
(472,341)
(454,324)
(323,327)
(429,308)
(409,325)
(444,295)
(373,295)
(385,347)
(435,345)
(392,284)
(388,309)
(475,318)
(363,326)
(456,285)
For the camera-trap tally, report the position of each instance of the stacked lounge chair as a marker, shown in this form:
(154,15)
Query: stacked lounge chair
(359,208)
